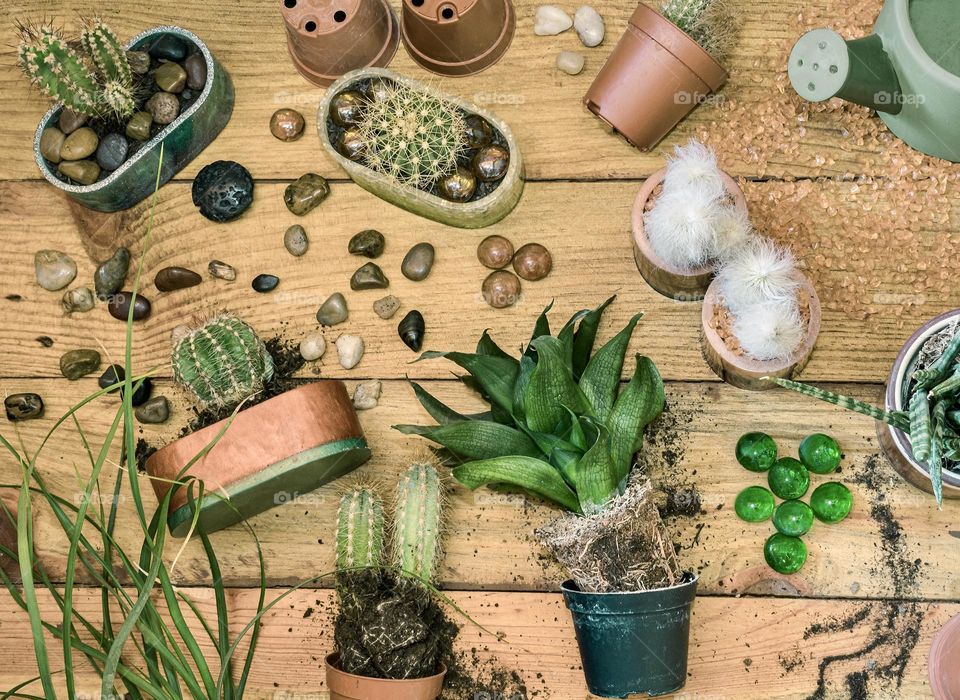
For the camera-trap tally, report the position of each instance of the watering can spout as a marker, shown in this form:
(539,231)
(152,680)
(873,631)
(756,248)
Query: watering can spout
(824,65)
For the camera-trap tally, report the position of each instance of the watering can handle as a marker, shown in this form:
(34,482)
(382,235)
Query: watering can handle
(824,65)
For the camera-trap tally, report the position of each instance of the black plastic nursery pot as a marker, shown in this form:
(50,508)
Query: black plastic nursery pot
(633,642)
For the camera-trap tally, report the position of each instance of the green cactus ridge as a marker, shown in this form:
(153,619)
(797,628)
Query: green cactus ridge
(107,53)
(360,535)
(58,71)
(417,522)
(222,362)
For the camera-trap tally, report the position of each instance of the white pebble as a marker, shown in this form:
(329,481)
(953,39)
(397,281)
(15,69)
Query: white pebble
(313,346)
(349,350)
(367,394)
(570,62)
(589,25)
(551,20)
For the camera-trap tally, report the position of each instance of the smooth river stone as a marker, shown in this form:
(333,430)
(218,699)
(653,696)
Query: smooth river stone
(112,151)
(83,172)
(79,363)
(369,243)
(333,310)
(367,394)
(196,68)
(51,141)
(55,270)
(265,283)
(170,77)
(70,121)
(77,300)
(111,274)
(306,193)
(295,240)
(119,306)
(551,20)
(170,279)
(138,128)
(156,410)
(287,124)
(589,26)
(81,144)
(313,346)
(163,107)
(369,276)
(115,374)
(386,307)
(221,270)
(25,406)
(169,47)
(418,262)
(532,262)
(349,350)
(570,62)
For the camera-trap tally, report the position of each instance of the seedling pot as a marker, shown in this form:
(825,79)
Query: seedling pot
(183,139)
(633,642)
(346,686)
(654,78)
(742,371)
(895,443)
(669,280)
(272,453)
(457,37)
(944,661)
(327,39)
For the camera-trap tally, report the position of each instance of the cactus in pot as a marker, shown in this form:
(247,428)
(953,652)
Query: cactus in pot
(713,24)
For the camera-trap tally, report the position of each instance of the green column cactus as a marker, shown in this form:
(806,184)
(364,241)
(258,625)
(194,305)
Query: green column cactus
(58,70)
(418,521)
(221,362)
(360,536)
(110,58)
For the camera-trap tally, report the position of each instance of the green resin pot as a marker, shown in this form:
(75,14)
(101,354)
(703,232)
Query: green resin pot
(183,139)
(908,70)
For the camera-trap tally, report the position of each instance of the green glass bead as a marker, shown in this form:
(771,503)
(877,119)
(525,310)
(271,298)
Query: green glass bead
(756,451)
(820,453)
(785,554)
(788,478)
(831,502)
(754,504)
(793,518)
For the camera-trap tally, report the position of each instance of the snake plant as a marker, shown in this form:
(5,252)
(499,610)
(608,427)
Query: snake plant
(559,425)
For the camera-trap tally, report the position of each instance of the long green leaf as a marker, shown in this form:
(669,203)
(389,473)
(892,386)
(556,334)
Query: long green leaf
(495,375)
(551,389)
(935,462)
(527,365)
(898,419)
(920,425)
(540,328)
(639,403)
(586,336)
(476,439)
(597,475)
(527,473)
(439,411)
(487,346)
(601,378)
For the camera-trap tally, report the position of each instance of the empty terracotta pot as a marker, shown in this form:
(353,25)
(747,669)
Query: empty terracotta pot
(328,38)
(654,78)
(457,37)
(346,686)
(669,280)
(944,661)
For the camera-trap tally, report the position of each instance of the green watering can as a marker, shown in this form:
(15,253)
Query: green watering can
(908,70)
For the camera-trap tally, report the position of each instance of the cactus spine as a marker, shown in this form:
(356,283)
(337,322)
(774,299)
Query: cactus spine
(222,362)
(417,522)
(110,58)
(711,23)
(360,533)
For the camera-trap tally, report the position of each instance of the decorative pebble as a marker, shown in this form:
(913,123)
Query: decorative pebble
(223,190)
(458,186)
(139,62)
(820,453)
(386,307)
(754,504)
(79,363)
(501,289)
(119,306)
(138,128)
(196,69)
(346,108)
(369,276)
(367,394)
(221,270)
(333,310)
(55,270)
(169,47)
(112,151)
(26,406)
(532,262)
(307,192)
(369,243)
(589,26)
(111,274)
(479,131)
(349,350)
(170,279)
(495,252)
(313,346)
(295,240)
(418,262)
(51,141)
(115,374)
(570,62)
(785,554)
(170,77)
(756,452)
(412,329)
(788,478)
(83,172)
(551,20)
(163,107)
(491,163)
(287,124)
(156,410)
(350,144)
(379,89)
(794,518)
(265,283)
(77,300)
(70,121)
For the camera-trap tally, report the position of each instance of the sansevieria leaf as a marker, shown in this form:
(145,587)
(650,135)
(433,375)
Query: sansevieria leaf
(495,375)
(551,389)
(439,411)
(540,328)
(476,439)
(527,473)
(597,477)
(585,336)
(487,346)
(639,403)
(601,378)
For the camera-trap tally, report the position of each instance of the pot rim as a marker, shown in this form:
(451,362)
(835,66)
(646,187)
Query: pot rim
(333,658)
(950,630)
(569,586)
(901,13)
(47,118)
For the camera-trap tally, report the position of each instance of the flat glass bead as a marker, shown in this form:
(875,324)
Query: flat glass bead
(793,518)
(785,554)
(788,478)
(754,504)
(831,502)
(756,451)
(820,453)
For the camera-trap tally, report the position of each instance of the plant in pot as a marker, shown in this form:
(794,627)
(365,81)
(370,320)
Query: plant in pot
(664,65)
(117,104)
(560,428)
(387,645)
(686,217)
(274,443)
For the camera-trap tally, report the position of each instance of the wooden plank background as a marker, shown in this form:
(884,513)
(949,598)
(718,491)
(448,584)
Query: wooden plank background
(873,223)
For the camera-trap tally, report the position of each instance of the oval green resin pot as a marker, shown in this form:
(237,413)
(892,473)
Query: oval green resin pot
(183,139)
(478,213)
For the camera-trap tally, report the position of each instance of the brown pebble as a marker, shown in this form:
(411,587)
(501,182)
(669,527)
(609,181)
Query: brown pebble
(81,144)
(495,252)
(51,141)
(163,107)
(70,121)
(287,124)
(170,279)
(501,289)
(532,262)
(196,67)
(119,306)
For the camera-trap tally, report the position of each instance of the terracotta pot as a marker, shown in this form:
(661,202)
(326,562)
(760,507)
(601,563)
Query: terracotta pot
(654,78)
(944,661)
(346,686)
(669,280)
(744,372)
(327,39)
(895,443)
(457,37)
(272,453)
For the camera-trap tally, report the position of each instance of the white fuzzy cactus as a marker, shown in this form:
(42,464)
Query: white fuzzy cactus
(759,272)
(769,333)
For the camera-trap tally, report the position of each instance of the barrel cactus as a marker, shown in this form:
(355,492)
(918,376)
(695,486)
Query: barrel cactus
(711,23)
(221,362)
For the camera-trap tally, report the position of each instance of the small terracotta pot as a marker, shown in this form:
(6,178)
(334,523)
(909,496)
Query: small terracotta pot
(327,39)
(457,37)
(669,280)
(272,453)
(654,78)
(346,686)
(895,443)
(944,661)
(744,372)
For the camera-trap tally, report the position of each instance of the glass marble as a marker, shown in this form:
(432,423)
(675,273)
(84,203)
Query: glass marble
(820,453)
(831,502)
(794,518)
(788,478)
(754,504)
(785,554)
(756,451)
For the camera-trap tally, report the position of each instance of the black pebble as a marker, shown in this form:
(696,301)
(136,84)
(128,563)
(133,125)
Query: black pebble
(265,283)
(169,47)
(223,190)
(412,329)
(119,306)
(115,374)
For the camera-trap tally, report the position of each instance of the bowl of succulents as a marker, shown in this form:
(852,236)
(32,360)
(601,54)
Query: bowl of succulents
(427,152)
(386,632)
(562,428)
(919,424)
(116,103)
(271,444)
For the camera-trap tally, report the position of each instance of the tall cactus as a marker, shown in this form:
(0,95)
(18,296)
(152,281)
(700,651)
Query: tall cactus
(360,536)
(58,70)
(110,58)
(418,521)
